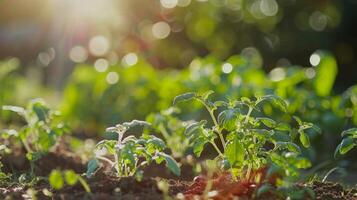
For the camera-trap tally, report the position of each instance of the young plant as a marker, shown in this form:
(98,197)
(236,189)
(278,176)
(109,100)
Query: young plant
(171,129)
(58,178)
(243,142)
(41,130)
(131,153)
(348,142)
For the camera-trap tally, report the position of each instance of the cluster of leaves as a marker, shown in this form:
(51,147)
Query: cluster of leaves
(58,178)
(41,131)
(131,153)
(244,142)
(171,129)
(348,142)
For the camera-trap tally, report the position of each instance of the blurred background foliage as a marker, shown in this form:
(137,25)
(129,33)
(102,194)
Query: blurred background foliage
(102,62)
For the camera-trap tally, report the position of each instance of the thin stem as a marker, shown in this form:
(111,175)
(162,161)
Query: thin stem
(106,160)
(248,115)
(215,124)
(84,184)
(217,149)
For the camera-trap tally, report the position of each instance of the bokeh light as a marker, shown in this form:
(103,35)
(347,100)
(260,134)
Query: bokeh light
(78,54)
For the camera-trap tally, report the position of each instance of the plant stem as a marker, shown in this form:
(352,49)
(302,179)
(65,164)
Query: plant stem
(217,149)
(215,124)
(84,184)
(248,115)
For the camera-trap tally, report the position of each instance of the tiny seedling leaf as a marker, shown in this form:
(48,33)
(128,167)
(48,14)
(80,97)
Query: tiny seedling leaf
(92,165)
(56,179)
(71,177)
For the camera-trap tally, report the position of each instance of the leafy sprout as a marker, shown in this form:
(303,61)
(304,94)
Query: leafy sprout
(41,131)
(243,142)
(131,153)
(348,142)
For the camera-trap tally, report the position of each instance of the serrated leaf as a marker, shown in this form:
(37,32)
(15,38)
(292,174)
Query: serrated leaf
(267,122)
(184,97)
(352,131)
(304,139)
(56,180)
(346,145)
(171,164)
(278,101)
(228,118)
(135,123)
(192,128)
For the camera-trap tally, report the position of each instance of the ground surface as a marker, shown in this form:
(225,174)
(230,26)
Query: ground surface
(108,187)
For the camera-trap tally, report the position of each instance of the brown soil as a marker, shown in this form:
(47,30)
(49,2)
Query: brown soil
(332,191)
(108,187)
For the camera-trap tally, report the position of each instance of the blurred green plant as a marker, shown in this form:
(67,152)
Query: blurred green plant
(58,178)
(41,131)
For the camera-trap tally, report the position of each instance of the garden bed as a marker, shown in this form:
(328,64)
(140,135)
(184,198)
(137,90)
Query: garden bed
(106,186)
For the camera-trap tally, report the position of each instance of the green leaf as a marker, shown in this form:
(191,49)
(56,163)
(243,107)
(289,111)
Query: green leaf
(302,163)
(56,180)
(71,177)
(234,152)
(194,127)
(275,100)
(326,73)
(228,118)
(16,109)
(298,120)
(92,166)
(198,145)
(40,109)
(290,146)
(352,132)
(346,145)
(283,127)
(267,122)
(171,164)
(304,139)
(135,123)
(205,95)
(184,97)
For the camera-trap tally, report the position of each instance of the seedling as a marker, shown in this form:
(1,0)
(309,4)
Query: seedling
(243,142)
(41,130)
(131,153)
(58,178)
(171,129)
(348,142)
